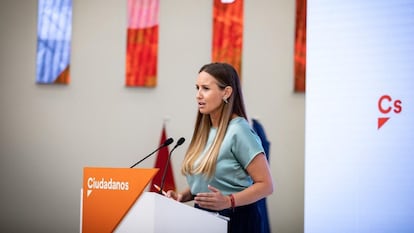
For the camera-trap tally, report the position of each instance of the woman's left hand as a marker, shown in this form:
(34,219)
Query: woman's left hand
(213,200)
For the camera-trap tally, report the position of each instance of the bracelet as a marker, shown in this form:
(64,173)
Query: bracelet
(232,201)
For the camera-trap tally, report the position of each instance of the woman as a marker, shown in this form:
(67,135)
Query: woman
(225,164)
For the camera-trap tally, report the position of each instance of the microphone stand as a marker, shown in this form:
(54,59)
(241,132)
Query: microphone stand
(166,143)
(180,141)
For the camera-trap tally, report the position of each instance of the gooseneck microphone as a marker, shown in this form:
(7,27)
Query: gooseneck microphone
(179,143)
(166,143)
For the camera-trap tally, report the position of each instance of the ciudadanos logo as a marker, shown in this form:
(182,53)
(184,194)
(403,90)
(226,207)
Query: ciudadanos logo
(106,184)
(388,107)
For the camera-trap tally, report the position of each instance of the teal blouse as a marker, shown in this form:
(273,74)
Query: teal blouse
(240,145)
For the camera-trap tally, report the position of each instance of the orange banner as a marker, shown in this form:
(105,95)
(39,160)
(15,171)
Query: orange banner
(142,43)
(228,33)
(109,193)
(300,46)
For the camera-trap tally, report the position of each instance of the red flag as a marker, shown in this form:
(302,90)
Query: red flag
(162,159)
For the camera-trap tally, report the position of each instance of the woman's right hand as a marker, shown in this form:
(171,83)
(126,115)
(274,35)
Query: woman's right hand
(173,195)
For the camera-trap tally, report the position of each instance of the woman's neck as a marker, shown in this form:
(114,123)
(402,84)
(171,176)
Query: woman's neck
(215,120)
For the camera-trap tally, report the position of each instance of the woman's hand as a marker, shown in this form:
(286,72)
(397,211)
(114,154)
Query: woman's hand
(173,195)
(213,200)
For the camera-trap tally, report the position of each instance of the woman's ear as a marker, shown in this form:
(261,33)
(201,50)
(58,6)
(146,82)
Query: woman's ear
(227,92)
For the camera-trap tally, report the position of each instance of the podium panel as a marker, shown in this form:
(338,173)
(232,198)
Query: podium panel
(154,213)
(113,200)
(108,194)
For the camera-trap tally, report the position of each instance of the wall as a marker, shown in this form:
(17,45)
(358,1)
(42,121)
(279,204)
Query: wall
(49,133)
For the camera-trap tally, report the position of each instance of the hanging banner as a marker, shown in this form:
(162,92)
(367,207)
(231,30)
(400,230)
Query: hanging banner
(142,43)
(228,32)
(54,31)
(300,47)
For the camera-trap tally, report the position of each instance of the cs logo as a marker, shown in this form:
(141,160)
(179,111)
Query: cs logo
(386,105)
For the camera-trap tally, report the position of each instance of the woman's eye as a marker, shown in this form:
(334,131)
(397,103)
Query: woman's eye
(203,88)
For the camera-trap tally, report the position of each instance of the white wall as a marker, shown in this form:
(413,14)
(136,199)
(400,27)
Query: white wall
(49,133)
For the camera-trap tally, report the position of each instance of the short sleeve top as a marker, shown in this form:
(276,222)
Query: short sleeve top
(240,145)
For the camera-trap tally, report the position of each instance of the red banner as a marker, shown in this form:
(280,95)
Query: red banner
(142,43)
(300,46)
(228,33)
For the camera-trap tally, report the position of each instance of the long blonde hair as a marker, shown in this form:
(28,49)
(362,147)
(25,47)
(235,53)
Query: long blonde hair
(225,75)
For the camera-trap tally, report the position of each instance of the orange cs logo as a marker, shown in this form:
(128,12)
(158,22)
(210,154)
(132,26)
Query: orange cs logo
(386,105)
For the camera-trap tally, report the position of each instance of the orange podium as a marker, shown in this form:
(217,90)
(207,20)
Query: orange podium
(113,200)
(108,194)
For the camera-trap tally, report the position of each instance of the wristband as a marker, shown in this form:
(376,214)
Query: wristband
(232,201)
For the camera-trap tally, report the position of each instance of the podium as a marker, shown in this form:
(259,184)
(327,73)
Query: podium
(113,200)
(156,213)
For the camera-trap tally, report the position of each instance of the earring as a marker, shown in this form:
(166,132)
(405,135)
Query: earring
(225,101)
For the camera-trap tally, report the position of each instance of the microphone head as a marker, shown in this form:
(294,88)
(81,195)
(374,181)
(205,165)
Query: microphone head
(168,142)
(180,141)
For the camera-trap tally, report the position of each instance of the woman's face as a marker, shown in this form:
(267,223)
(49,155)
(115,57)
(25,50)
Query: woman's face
(209,95)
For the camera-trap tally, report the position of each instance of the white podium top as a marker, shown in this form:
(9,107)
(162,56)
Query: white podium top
(153,212)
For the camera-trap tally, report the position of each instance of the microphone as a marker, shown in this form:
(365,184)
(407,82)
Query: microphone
(179,143)
(166,143)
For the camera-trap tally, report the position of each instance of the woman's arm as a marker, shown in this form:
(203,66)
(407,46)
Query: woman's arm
(262,186)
